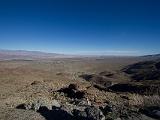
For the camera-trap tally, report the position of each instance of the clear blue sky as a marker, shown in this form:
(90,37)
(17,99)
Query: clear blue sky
(118,27)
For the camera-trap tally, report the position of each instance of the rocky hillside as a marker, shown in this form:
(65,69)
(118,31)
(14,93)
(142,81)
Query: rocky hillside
(148,70)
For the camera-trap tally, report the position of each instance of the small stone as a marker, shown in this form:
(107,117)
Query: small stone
(56,103)
(35,82)
(36,105)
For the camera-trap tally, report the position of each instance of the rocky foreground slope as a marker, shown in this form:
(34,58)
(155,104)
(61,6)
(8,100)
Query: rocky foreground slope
(78,95)
(74,103)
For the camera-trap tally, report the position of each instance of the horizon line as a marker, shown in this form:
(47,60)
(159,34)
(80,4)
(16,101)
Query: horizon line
(88,53)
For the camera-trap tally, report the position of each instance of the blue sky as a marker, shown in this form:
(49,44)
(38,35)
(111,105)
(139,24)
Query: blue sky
(112,27)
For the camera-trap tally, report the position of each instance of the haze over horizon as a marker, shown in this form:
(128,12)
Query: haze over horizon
(95,27)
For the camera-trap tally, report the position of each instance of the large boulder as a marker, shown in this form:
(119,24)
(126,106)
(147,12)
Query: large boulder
(72,92)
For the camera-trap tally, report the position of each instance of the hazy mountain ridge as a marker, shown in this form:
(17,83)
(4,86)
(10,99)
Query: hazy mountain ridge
(24,54)
(31,55)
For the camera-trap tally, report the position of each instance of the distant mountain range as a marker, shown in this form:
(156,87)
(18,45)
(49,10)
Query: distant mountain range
(28,55)
(31,55)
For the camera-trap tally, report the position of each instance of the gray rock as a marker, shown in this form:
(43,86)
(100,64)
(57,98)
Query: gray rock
(55,103)
(35,105)
(90,113)
(30,106)
(82,102)
(79,114)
